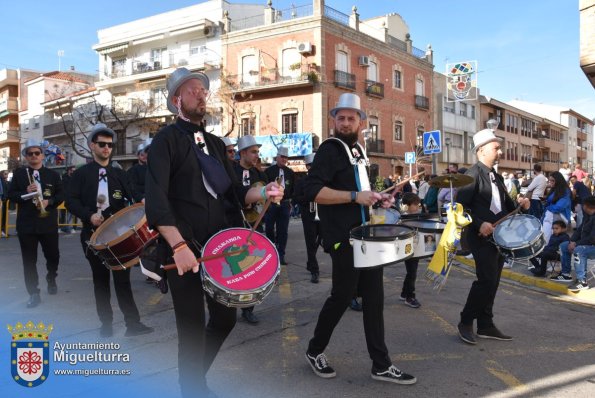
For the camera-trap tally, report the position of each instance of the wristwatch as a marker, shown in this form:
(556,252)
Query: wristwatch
(353,196)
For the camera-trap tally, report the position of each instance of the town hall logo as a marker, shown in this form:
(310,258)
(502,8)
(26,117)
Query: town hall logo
(29,353)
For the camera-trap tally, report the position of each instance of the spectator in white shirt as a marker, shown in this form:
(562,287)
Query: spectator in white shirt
(537,190)
(565,171)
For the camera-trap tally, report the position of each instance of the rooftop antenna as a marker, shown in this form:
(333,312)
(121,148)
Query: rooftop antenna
(60,55)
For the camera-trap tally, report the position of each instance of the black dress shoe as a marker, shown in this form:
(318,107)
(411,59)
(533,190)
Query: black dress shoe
(137,329)
(466,333)
(249,317)
(52,287)
(106,330)
(314,278)
(492,333)
(34,300)
(537,272)
(355,305)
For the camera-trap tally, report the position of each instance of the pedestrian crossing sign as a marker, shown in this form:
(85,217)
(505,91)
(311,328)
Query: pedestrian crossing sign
(432,142)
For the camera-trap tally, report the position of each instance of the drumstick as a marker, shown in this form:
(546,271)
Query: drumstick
(209,258)
(258,220)
(401,183)
(512,213)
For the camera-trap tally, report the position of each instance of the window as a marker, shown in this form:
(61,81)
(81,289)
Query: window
(373,71)
(419,87)
(463,110)
(398,135)
(292,63)
(197,47)
(119,67)
(449,106)
(342,61)
(157,97)
(456,140)
(373,126)
(290,123)
(472,111)
(249,70)
(248,126)
(397,83)
(156,54)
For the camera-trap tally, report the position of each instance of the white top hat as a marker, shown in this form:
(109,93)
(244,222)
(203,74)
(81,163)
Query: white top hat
(31,143)
(176,79)
(483,137)
(283,151)
(227,141)
(100,128)
(349,101)
(308,159)
(247,141)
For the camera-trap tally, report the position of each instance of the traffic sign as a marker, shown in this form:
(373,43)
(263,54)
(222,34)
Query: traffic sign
(432,142)
(409,157)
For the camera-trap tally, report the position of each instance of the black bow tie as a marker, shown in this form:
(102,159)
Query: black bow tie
(103,177)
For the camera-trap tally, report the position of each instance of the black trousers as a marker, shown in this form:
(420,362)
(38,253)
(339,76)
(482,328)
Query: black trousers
(3,216)
(311,236)
(197,346)
(102,290)
(346,279)
(488,269)
(408,290)
(51,252)
(540,262)
(277,223)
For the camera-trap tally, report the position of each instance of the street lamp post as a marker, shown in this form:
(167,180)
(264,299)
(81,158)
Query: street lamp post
(447,144)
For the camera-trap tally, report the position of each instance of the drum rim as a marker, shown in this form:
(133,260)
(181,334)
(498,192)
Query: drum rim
(122,237)
(269,282)
(423,229)
(421,216)
(501,225)
(382,238)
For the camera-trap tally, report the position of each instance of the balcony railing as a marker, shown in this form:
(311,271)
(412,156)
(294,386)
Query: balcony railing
(271,77)
(344,79)
(422,102)
(57,128)
(374,89)
(376,146)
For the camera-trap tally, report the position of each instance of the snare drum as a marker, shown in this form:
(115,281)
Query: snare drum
(381,244)
(519,237)
(385,216)
(243,279)
(427,236)
(422,216)
(121,238)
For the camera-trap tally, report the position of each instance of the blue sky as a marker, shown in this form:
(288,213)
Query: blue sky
(526,49)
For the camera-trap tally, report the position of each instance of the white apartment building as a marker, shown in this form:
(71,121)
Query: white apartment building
(135,59)
(579,142)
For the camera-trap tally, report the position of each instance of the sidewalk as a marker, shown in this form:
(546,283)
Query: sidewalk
(521,275)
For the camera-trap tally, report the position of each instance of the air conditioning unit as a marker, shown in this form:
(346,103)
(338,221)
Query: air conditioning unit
(209,31)
(305,48)
(364,61)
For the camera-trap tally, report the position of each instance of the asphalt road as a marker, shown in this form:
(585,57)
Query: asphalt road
(552,354)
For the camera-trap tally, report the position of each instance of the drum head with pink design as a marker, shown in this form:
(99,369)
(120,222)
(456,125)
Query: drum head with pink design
(252,265)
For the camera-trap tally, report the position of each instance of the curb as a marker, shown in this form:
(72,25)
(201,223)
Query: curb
(542,284)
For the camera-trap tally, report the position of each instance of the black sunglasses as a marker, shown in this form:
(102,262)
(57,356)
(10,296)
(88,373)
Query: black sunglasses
(36,153)
(231,150)
(104,144)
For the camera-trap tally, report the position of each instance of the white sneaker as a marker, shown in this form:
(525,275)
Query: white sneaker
(3,235)
(469,256)
(507,265)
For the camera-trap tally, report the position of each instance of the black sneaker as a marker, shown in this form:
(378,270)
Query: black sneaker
(249,316)
(580,285)
(393,375)
(412,302)
(52,287)
(492,333)
(562,278)
(466,333)
(355,305)
(34,300)
(314,278)
(137,329)
(402,298)
(538,271)
(320,366)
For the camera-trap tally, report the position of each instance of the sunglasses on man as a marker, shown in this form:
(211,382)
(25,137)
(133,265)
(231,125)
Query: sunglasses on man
(104,144)
(34,153)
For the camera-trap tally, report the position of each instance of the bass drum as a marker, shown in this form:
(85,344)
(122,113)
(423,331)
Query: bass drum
(381,244)
(242,279)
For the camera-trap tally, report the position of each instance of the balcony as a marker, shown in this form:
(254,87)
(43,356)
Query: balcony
(8,105)
(344,79)
(374,89)
(422,102)
(376,146)
(271,79)
(542,143)
(10,135)
(57,128)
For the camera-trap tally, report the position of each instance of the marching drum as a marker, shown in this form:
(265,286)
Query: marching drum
(242,279)
(421,216)
(519,237)
(427,236)
(385,216)
(121,238)
(381,244)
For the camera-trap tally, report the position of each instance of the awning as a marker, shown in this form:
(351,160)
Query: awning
(112,49)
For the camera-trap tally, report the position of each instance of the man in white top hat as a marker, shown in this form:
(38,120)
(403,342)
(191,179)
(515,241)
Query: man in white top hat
(277,217)
(343,195)
(487,200)
(188,177)
(34,227)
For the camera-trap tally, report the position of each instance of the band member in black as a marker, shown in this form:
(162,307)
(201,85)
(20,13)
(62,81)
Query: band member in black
(37,218)
(487,201)
(310,223)
(137,173)
(338,182)
(97,191)
(277,217)
(188,177)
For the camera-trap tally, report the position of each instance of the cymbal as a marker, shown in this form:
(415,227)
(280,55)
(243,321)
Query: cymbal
(458,180)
